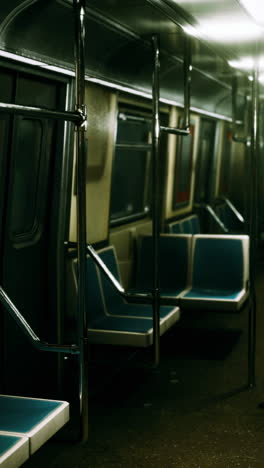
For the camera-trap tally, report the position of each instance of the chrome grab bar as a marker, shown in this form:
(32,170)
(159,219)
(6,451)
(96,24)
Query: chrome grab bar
(76,117)
(233,209)
(99,262)
(27,330)
(213,214)
(216,218)
(130,297)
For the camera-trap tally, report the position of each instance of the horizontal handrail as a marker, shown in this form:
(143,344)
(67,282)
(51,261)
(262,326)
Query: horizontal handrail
(238,139)
(175,131)
(133,118)
(29,333)
(233,209)
(133,146)
(76,117)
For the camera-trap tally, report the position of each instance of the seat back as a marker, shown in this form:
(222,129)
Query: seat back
(93,289)
(175,227)
(174,255)
(195,223)
(189,225)
(220,262)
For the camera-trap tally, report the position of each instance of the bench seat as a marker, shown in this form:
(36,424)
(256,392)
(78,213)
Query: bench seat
(219,273)
(33,418)
(174,264)
(14,450)
(202,271)
(188,225)
(110,319)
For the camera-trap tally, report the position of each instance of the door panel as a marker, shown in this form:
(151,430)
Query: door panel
(27,246)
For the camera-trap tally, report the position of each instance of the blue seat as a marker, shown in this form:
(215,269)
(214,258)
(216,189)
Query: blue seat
(174,258)
(117,306)
(110,319)
(14,450)
(186,226)
(175,227)
(195,223)
(189,225)
(34,419)
(220,273)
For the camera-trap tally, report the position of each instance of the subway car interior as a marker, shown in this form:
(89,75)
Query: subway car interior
(131,327)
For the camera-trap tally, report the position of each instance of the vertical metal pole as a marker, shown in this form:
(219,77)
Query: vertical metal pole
(234,103)
(79,8)
(253,224)
(155,198)
(187,82)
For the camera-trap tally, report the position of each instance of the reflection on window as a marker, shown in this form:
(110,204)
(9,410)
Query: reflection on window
(183,168)
(204,181)
(130,175)
(27,159)
(225,164)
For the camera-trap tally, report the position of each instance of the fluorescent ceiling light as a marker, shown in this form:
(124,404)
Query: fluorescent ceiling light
(244,63)
(247,63)
(255,8)
(261,78)
(227,30)
(192,31)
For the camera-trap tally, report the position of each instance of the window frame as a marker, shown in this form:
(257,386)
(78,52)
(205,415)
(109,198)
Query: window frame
(176,205)
(127,113)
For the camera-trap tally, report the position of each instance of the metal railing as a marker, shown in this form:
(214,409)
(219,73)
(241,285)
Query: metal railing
(233,209)
(29,333)
(213,215)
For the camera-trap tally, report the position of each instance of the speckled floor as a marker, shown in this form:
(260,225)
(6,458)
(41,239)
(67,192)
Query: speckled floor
(191,412)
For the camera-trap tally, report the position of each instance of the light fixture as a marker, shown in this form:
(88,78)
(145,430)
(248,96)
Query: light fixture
(247,63)
(244,63)
(225,29)
(191,30)
(255,8)
(261,78)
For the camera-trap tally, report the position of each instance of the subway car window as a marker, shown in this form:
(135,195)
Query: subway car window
(26,177)
(183,169)
(224,181)
(131,169)
(205,161)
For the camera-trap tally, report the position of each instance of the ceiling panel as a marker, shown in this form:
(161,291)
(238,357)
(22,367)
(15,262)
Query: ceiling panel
(118,43)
